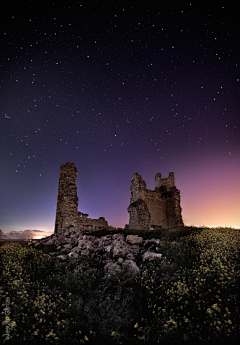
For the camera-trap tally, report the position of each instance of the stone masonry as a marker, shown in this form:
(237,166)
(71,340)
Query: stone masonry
(154,208)
(67,214)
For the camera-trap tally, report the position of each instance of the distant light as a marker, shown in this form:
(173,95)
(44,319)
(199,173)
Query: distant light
(213,226)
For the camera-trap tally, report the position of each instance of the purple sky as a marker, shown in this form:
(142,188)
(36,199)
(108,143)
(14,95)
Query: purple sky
(118,88)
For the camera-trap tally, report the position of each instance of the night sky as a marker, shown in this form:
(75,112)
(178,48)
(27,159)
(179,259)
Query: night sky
(118,88)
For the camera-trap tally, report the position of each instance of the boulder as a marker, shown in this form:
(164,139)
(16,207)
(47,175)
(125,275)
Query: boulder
(131,265)
(134,239)
(61,257)
(115,236)
(75,250)
(67,240)
(111,268)
(130,257)
(97,243)
(121,249)
(67,246)
(108,249)
(88,237)
(50,242)
(84,244)
(73,255)
(150,256)
(85,252)
(120,261)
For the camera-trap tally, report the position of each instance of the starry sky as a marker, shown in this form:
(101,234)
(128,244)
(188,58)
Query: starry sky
(118,87)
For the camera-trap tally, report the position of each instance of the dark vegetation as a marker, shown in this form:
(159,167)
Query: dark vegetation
(190,296)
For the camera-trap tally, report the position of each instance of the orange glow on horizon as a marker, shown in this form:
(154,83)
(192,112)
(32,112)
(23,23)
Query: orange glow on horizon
(213,226)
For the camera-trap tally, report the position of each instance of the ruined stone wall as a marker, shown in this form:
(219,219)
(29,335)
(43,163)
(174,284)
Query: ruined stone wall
(139,215)
(138,188)
(173,208)
(84,220)
(67,202)
(157,208)
(168,182)
(67,214)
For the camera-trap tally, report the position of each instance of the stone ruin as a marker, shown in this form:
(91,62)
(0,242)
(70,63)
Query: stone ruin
(67,214)
(158,208)
(148,209)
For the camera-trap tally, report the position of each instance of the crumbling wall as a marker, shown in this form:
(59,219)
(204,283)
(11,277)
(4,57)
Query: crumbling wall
(67,214)
(166,182)
(157,208)
(84,220)
(139,215)
(138,188)
(67,202)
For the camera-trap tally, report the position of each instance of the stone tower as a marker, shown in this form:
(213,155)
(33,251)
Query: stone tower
(67,214)
(67,202)
(157,208)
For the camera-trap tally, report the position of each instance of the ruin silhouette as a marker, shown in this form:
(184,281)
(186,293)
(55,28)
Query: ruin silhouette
(148,209)
(67,214)
(159,208)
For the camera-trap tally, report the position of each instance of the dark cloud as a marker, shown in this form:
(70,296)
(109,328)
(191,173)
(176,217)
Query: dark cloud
(22,235)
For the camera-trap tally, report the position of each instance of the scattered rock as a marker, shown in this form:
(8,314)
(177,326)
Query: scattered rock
(120,261)
(131,265)
(85,252)
(133,239)
(73,255)
(150,256)
(61,257)
(111,268)
(121,249)
(67,246)
(114,251)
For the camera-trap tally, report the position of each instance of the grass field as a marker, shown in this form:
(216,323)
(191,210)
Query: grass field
(190,296)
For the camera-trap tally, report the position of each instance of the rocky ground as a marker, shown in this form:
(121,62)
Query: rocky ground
(114,251)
